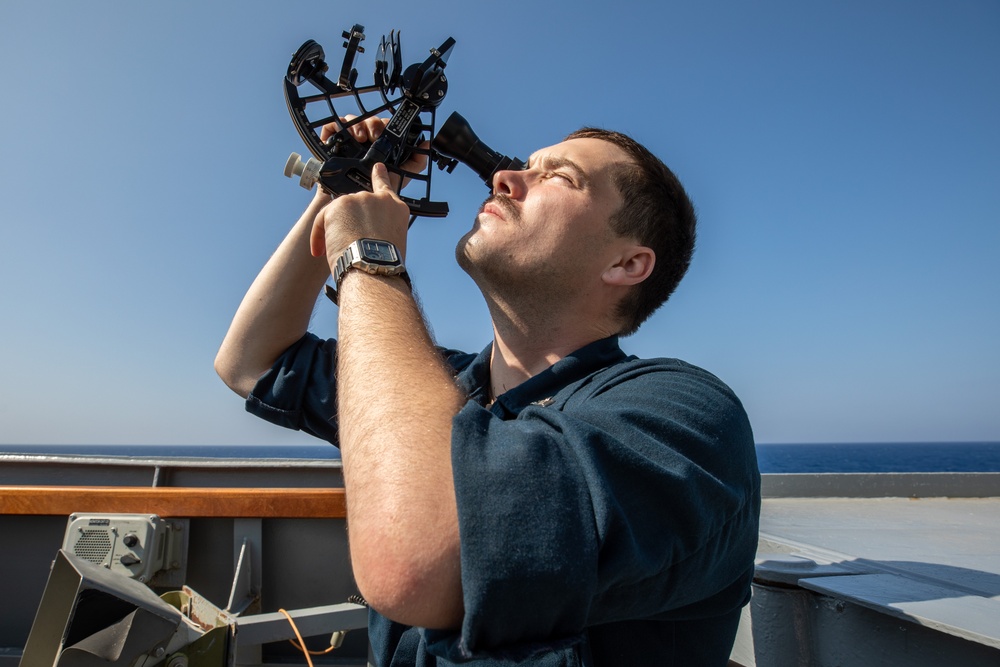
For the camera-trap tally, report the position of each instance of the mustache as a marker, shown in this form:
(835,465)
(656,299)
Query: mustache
(506,204)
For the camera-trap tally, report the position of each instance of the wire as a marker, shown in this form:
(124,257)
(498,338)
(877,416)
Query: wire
(301,645)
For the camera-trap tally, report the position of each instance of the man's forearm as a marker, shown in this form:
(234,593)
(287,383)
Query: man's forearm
(396,403)
(276,309)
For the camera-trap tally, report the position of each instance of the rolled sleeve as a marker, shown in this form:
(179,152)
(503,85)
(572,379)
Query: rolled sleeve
(299,391)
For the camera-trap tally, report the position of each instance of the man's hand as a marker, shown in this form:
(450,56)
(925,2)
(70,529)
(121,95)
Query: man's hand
(368,131)
(380,214)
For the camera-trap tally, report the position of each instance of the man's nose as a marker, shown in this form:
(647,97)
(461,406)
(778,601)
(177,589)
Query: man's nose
(510,183)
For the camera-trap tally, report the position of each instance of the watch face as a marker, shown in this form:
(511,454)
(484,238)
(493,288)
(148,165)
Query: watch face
(379,251)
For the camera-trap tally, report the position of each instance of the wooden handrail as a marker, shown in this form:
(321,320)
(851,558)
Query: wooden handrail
(291,503)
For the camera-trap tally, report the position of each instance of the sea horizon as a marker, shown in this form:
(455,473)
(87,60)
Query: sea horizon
(929,456)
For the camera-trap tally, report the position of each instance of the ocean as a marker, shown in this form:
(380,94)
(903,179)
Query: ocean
(880,457)
(773,458)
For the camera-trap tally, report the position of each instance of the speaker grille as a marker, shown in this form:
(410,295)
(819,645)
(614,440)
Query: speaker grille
(93,546)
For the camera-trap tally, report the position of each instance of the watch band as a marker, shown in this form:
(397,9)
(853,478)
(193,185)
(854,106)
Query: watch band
(371,256)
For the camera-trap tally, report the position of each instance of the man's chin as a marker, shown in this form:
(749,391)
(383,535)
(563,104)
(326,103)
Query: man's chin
(462,253)
(477,262)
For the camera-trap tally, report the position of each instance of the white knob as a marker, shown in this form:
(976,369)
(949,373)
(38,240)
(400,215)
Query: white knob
(308,171)
(294,160)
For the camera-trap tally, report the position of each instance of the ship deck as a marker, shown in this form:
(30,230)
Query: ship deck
(872,569)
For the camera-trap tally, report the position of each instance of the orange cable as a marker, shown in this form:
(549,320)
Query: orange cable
(301,645)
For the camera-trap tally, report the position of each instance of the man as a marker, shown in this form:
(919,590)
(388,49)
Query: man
(551,500)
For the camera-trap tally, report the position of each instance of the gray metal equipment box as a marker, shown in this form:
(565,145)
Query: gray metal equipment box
(143,547)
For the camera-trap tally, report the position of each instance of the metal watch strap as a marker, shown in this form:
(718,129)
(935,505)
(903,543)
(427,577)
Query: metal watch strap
(349,259)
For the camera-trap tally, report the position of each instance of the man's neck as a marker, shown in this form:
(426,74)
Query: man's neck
(536,330)
(520,355)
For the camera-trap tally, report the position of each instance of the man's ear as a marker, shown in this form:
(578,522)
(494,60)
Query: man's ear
(633,266)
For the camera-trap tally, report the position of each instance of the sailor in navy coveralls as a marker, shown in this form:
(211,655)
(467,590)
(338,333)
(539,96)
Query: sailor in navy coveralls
(550,500)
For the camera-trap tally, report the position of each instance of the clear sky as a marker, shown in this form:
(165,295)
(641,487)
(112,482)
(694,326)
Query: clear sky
(844,159)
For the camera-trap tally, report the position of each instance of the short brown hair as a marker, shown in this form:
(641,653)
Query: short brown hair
(657,213)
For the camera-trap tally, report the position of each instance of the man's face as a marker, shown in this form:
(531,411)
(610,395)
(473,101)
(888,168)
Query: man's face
(547,226)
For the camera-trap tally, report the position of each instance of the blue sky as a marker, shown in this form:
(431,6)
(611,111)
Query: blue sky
(844,159)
